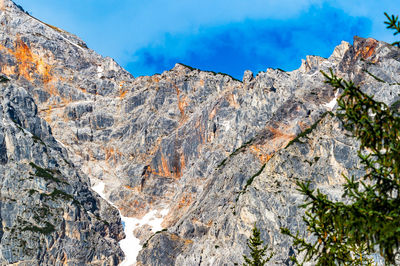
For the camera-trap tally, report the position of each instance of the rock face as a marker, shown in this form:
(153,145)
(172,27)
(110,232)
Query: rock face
(48,213)
(219,153)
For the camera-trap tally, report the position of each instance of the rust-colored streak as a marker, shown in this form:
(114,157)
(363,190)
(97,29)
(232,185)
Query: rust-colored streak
(64,258)
(8,70)
(133,207)
(28,62)
(2,5)
(368,49)
(201,130)
(109,153)
(182,102)
(29,65)
(83,90)
(279,133)
(179,208)
(122,90)
(163,168)
(232,101)
(277,141)
(24,56)
(212,113)
(185,201)
(188,241)
(178,167)
(135,189)
(262,156)
(122,93)
(156,79)
(180,106)
(182,161)
(112,155)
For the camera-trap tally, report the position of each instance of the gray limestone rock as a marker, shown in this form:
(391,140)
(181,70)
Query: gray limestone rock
(219,153)
(49,215)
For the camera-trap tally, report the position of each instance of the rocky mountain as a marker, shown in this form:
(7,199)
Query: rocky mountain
(48,213)
(205,153)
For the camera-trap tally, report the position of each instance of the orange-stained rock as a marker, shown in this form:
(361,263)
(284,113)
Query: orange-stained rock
(368,49)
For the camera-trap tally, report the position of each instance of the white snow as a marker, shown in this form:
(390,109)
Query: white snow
(74,44)
(100,71)
(131,245)
(332,103)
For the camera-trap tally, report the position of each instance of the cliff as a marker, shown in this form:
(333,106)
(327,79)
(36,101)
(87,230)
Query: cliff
(48,213)
(217,153)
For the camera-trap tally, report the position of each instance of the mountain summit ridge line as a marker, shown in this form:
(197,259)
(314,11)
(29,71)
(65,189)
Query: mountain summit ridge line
(218,153)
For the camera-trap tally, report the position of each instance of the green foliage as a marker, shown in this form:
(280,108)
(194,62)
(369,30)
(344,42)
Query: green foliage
(249,181)
(394,24)
(48,229)
(4,79)
(47,174)
(235,152)
(241,148)
(395,106)
(158,232)
(222,163)
(375,77)
(56,193)
(370,221)
(41,172)
(308,130)
(36,139)
(257,250)
(43,211)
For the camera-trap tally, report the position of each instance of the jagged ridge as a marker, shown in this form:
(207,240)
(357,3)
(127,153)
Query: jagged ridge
(190,140)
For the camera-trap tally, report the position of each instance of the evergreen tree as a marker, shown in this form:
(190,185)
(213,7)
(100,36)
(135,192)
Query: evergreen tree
(257,251)
(369,221)
(393,23)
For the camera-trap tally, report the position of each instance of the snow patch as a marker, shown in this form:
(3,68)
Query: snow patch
(332,103)
(131,245)
(74,44)
(100,71)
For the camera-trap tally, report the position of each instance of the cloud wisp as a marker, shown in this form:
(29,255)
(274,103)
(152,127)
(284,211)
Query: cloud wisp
(220,35)
(252,44)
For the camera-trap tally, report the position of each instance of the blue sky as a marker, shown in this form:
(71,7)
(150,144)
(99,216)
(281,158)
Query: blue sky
(229,36)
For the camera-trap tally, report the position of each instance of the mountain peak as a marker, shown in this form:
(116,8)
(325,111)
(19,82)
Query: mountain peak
(213,154)
(9,5)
